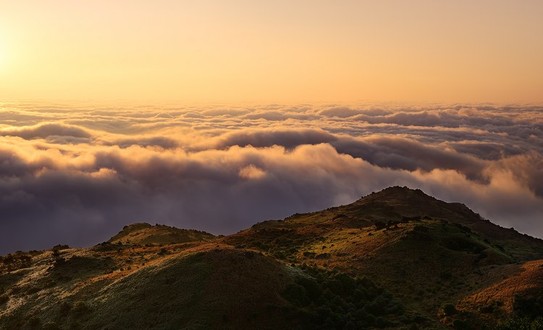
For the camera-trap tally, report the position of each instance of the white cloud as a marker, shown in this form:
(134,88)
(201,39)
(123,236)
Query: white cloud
(78,175)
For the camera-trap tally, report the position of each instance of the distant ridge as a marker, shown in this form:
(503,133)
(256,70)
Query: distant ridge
(144,233)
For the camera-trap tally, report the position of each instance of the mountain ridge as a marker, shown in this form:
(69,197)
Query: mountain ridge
(397,258)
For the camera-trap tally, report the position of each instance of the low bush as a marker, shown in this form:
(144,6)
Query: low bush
(336,300)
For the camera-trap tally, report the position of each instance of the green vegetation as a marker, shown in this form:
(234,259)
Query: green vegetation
(527,313)
(522,323)
(15,261)
(337,301)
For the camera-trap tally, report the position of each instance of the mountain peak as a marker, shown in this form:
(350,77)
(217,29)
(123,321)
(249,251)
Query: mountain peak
(399,192)
(395,203)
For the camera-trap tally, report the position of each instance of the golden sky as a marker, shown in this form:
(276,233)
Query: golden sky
(168,51)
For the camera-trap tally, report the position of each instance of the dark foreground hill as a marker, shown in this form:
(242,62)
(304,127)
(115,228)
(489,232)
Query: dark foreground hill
(394,259)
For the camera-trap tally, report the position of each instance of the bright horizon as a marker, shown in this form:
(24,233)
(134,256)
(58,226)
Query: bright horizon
(181,52)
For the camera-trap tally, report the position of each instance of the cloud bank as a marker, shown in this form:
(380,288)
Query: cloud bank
(77,175)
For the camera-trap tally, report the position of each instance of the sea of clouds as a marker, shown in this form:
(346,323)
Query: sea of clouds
(77,175)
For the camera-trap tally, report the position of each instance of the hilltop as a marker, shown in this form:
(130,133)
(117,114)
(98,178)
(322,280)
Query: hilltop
(144,233)
(397,258)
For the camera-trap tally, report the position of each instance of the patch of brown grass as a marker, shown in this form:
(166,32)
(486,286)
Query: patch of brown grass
(529,276)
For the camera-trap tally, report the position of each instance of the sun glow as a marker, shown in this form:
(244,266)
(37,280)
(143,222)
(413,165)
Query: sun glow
(240,51)
(2,57)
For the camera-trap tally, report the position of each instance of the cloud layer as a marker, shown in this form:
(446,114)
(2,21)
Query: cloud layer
(77,175)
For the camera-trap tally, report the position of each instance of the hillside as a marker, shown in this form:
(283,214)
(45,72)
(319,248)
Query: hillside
(144,233)
(393,259)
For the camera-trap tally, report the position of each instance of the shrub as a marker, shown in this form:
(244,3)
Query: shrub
(529,307)
(64,309)
(296,294)
(446,276)
(34,323)
(336,300)
(50,326)
(461,325)
(80,309)
(521,323)
(449,309)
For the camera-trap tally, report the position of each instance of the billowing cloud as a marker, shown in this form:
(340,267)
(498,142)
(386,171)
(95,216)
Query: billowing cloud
(76,176)
(47,130)
(153,141)
(288,138)
(409,154)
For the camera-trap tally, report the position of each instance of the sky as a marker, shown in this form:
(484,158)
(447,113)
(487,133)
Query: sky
(215,115)
(208,51)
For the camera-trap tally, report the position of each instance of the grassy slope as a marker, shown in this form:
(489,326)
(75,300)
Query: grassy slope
(200,290)
(144,233)
(192,287)
(427,252)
